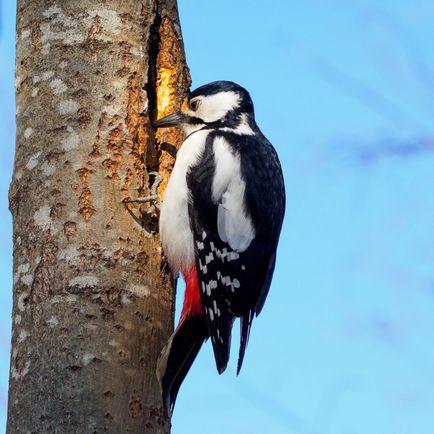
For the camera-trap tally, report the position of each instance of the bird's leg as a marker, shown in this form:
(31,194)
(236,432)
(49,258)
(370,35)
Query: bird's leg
(153,197)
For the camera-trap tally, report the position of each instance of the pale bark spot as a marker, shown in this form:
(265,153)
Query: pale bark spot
(26,369)
(21,269)
(69,37)
(17,319)
(46,49)
(52,10)
(27,279)
(14,373)
(53,321)
(138,290)
(84,282)
(35,92)
(72,141)
(72,215)
(107,253)
(73,37)
(47,75)
(48,35)
(28,132)
(18,174)
(63,64)
(23,336)
(112,110)
(42,218)
(71,298)
(110,22)
(58,86)
(22,300)
(87,358)
(68,107)
(136,51)
(48,168)
(56,299)
(125,298)
(33,161)
(71,255)
(17,81)
(119,84)
(25,34)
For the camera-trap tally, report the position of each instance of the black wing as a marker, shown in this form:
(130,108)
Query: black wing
(235,284)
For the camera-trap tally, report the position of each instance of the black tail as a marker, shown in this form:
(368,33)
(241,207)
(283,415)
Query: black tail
(177,357)
(245,323)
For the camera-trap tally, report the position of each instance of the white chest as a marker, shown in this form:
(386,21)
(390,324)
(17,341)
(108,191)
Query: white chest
(175,233)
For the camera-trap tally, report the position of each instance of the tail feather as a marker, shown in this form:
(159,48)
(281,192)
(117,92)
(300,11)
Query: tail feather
(245,323)
(177,357)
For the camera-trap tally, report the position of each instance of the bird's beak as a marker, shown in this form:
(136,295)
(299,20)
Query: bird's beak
(171,120)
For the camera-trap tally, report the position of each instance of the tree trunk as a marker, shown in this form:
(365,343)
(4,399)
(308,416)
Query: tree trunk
(93,296)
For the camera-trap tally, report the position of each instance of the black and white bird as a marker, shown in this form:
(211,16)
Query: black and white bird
(219,225)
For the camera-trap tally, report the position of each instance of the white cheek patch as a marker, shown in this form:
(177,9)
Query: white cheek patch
(215,107)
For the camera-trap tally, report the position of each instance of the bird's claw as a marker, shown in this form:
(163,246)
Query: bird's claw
(153,197)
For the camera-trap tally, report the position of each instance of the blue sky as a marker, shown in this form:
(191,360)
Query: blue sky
(344,92)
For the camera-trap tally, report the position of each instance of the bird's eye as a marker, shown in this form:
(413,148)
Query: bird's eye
(194,104)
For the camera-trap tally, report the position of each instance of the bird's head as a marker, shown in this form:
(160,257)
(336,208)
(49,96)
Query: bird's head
(220,104)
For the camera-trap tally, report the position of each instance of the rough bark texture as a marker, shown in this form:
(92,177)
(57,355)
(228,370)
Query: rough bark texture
(93,297)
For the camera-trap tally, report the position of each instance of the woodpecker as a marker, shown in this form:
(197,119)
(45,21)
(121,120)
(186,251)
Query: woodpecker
(220,223)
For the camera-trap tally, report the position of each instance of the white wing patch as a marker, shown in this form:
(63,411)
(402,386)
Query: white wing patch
(234,225)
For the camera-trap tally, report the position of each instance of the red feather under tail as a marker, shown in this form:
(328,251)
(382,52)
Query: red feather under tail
(192,302)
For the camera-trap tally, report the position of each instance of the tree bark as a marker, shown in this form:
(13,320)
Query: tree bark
(93,296)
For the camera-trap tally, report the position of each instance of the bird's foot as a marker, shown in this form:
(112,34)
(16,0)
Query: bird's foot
(153,197)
